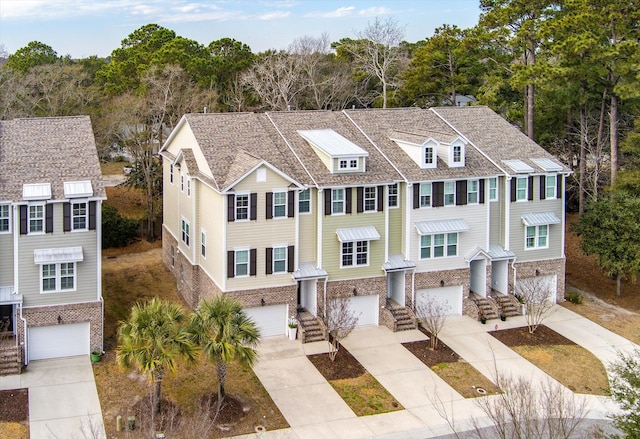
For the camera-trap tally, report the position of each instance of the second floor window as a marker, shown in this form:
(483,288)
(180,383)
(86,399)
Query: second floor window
(79,216)
(304,201)
(242,263)
(355,253)
(186,237)
(5,218)
(439,245)
(58,277)
(521,189)
(36,218)
(449,193)
(242,207)
(370,200)
(536,237)
(425,195)
(472,192)
(337,201)
(393,195)
(280,259)
(550,187)
(493,189)
(279,204)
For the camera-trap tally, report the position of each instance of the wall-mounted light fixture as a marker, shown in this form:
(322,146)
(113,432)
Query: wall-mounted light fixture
(537,272)
(442,282)
(355,292)
(59,320)
(262,302)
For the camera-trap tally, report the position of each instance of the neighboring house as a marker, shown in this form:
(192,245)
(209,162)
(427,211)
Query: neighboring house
(51,192)
(288,211)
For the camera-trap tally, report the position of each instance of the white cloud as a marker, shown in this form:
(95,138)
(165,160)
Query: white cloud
(345,11)
(274,15)
(375,11)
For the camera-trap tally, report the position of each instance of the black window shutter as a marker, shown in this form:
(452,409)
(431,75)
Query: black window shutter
(327,201)
(438,194)
(253,206)
(360,199)
(291,199)
(268,213)
(416,195)
(461,192)
(380,198)
(92,215)
(49,218)
(481,184)
(290,257)
(66,217)
(543,187)
(23,220)
(231,262)
(269,260)
(347,200)
(530,187)
(231,206)
(252,262)
(514,189)
(559,186)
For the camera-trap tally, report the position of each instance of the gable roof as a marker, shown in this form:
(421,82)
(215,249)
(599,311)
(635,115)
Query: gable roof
(51,150)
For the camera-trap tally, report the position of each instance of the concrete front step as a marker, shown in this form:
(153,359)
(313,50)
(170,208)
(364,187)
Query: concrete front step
(311,327)
(10,361)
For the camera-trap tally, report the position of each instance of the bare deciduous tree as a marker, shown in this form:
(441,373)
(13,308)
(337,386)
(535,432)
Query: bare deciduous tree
(340,321)
(433,313)
(536,293)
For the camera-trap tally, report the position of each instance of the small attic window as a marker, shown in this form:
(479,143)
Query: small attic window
(457,154)
(428,155)
(338,153)
(36,191)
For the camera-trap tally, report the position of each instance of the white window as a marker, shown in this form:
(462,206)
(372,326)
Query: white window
(188,187)
(279,259)
(279,204)
(449,193)
(472,192)
(425,194)
(5,218)
(355,253)
(182,183)
(242,263)
(58,277)
(522,188)
(171,174)
(343,164)
(370,199)
(79,216)
(203,243)
(337,201)
(439,245)
(550,187)
(304,201)
(428,155)
(493,189)
(353,164)
(393,195)
(536,237)
(457,154)
(185,232)
(242,207)
(36,218)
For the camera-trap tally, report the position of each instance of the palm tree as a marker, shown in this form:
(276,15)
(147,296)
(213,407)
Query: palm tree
(226,334)
(153,339)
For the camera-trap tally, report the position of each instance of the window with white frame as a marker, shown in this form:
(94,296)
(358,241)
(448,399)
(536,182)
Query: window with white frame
(337,201)
(550,187)
(522,188)
(304,201)
(186,236)
(342,164)
(171,174)
(428,155)
(393,195)
(242,207)
(537,237)
(457,154)
(279,204)
(203,243)
(79,216)
(493,189)
(425,194)
(449,193)
(188,187)
(5,218)
(370,199)
(472,192)
(36,218)
(182,183)
(279,259)
(353,164)
(58,277)
(355,253)
(439,245)
(241,263)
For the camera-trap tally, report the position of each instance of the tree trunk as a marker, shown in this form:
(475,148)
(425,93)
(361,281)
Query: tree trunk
(613,129)
(221,371)
(603,109)
(618,285)
(529,110)
(583,157)
(157,392)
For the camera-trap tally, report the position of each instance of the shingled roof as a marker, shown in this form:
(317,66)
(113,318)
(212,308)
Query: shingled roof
(48,150)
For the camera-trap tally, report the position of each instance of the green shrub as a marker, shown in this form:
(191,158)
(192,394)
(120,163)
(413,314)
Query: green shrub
(574,297)
(117,231)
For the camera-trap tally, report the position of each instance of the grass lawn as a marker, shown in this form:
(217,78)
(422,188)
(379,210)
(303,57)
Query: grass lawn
(465,379)
(113,168)
(365,395)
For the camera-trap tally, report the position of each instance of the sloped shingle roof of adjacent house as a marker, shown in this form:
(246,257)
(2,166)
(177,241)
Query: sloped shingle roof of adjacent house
(495,136)
(47,150)
(417,125)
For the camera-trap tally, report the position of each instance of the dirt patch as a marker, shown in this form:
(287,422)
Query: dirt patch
(14,413)
(128,201)
(345,365)
(521,337)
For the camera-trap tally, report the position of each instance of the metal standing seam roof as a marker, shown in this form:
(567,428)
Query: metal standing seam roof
(309,270)
(57,255)
(332,143)
(78,189)
(366,233)
(547,165)
(442,226)
(398,262)
(497,252)
(540,219)
(518,166)
(36,191)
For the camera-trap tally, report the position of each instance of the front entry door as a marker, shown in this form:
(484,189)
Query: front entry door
(6,318)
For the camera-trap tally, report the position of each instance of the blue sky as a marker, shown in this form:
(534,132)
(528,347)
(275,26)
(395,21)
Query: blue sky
(82,28)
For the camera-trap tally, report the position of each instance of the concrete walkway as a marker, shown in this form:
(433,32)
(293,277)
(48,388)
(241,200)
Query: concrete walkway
(63,400)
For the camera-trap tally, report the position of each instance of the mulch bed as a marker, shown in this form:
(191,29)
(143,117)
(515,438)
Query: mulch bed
(14,405)
(521,337)
(422,350)
(345,365)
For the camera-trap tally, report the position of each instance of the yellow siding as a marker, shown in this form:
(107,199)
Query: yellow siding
(307,250)
(184,139)
(170,199)
(212,216)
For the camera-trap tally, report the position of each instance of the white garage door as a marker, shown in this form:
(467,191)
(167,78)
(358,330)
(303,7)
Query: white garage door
(365,308)
(58,341)
(452,296)
(272,319)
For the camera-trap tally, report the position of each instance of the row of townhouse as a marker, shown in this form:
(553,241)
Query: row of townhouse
(288,211)
(51,192)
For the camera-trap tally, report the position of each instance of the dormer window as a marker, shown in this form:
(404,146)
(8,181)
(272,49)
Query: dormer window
(457,154)
(428,155)
(338,153)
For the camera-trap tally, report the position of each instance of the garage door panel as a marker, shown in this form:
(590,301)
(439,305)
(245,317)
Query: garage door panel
(365,308)
(272,319)
(452,296)
(59,341)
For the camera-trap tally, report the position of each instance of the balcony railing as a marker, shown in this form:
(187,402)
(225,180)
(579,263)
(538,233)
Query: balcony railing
(7,296)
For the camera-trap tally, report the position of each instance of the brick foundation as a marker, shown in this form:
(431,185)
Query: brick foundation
(548,267)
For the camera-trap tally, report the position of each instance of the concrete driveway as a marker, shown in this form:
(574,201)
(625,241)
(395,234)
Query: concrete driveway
(63,400)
